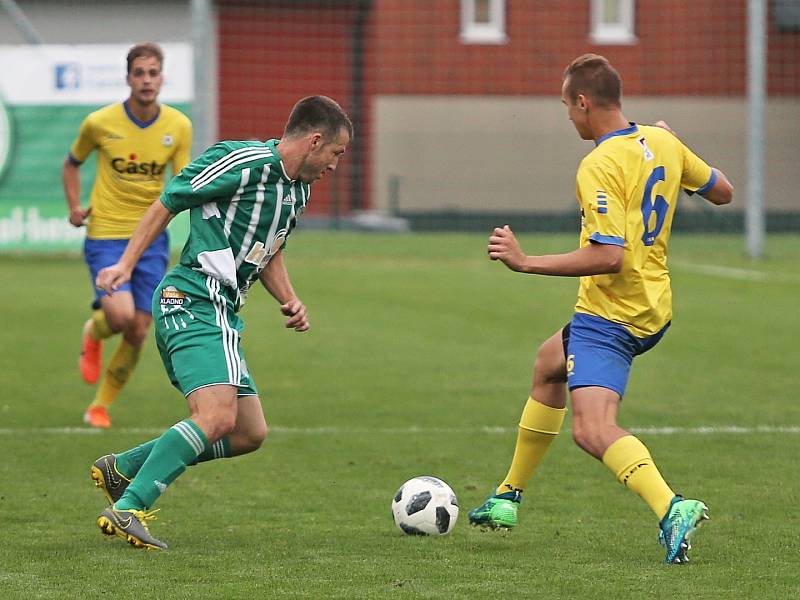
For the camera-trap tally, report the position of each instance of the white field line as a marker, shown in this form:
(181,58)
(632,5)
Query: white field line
(488,430)
(736,273)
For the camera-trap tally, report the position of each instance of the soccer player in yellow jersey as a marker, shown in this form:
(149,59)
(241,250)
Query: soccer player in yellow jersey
(135,141)
(627,190)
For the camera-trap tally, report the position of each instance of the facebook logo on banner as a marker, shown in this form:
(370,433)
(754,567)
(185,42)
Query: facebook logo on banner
(68,76)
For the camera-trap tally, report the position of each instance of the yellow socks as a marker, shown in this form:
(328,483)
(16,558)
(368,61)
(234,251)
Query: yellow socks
(99,329)
(119,370)
(633,466)
(538,427)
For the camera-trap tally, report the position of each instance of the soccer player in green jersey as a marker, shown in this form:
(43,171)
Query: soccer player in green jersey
(627,190)
(244,200)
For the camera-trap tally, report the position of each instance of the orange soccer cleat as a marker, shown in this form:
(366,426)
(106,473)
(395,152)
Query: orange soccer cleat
(91,359)
(97,416)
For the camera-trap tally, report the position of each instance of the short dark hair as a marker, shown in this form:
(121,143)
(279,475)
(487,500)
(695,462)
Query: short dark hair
(593,76)
(317,113)
(145,49)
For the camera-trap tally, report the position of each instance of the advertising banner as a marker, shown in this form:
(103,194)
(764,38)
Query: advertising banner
(45,93)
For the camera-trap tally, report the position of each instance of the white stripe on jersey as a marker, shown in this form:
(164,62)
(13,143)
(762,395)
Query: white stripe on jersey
(256,215)
(210,210)
(229,335)
(234,201)
(226,163)
(220,163)
(241,161)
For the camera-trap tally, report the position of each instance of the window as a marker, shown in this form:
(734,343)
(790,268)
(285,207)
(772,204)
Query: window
(612,22)
(483,22)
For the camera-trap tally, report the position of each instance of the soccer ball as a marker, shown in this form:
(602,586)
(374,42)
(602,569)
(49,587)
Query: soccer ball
(425,506)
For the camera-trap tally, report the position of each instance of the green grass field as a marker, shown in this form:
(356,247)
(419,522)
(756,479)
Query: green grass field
(418,362)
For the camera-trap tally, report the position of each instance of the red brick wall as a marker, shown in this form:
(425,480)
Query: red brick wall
(271,54)
(684,48)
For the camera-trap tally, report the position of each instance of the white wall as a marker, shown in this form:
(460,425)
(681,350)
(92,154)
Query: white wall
(125,22)
(109,21)
(520,153)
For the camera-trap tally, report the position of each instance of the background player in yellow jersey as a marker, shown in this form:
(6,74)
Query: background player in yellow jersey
(135,141)
(627,189)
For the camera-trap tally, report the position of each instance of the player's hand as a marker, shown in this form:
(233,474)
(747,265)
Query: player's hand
(298,315)
(78,216)
(663,125)
(111,278)
(503,246)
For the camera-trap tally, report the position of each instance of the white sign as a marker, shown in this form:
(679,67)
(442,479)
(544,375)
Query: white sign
(85,73)
(5,137)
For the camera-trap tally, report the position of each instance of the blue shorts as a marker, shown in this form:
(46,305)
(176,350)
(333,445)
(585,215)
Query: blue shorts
(146,275)
(600,352)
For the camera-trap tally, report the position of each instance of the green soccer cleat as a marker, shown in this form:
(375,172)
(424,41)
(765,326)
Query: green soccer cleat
(106,477)
(498,512)
(679,524)
(131,526)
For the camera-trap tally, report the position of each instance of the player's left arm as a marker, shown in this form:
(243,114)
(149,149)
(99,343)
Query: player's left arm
(275,278)
(716,188)
(721,191)
(594,259)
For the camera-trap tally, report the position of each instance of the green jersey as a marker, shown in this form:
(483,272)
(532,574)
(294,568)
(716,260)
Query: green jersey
(243,207)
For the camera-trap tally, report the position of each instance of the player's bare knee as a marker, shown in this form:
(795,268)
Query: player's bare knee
(119,321)
(262,433)
(216,424)
(257,435)
(584,435)
(548,370)
(578,433)
(141,333)
(225,424)
(550,365)
(136,334)
(256,439)
(249,439)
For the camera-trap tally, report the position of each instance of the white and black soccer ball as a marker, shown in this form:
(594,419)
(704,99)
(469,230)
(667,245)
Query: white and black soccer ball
(425,506)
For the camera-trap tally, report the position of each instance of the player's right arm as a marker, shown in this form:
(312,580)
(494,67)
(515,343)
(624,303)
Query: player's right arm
(70,172)
(208,177)
(153,223)
(71,180)
(604,221)
(593,259)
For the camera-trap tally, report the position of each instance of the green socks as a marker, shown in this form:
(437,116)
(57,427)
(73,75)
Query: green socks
(180,446)
(130,461)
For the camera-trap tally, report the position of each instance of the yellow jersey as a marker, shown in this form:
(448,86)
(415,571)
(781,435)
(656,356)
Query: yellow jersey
(627,189)
(132,157)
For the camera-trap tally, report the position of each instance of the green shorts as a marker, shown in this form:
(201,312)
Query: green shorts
(198,333)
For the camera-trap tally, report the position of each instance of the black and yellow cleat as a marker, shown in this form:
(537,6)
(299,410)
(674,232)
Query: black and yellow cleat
(106,477)
(131,526)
